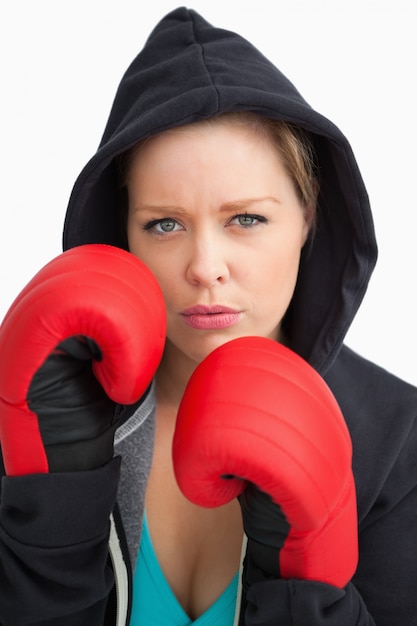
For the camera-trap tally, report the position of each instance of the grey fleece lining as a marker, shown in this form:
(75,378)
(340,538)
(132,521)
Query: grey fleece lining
(134,442)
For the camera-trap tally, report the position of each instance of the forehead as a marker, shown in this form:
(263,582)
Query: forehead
(211,141)
(208,166)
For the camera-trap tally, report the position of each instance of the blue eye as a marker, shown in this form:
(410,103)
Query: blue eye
(165,225)
(246,220)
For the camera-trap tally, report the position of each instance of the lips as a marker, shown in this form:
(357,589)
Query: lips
(213,317)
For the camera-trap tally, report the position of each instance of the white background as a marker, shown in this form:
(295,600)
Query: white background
(355,61)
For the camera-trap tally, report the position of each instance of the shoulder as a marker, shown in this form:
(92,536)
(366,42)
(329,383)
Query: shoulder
(380,410)
(354,379)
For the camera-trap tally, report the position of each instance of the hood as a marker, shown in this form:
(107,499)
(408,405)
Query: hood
(189,70)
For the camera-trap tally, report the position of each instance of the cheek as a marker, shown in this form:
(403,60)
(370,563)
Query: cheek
(166,273)
(162,272)
(281,259)
(275,276)
(141,246)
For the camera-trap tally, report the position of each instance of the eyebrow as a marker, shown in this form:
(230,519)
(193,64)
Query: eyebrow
(246,202)
(227,207)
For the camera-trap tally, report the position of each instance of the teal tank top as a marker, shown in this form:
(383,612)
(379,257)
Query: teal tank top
(154,603)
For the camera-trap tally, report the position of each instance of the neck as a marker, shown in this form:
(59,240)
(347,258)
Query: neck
(172,376)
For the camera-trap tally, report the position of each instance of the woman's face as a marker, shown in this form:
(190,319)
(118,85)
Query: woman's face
(215,216)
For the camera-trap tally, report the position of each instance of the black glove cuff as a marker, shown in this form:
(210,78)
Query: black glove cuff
(82,455)
(261,563)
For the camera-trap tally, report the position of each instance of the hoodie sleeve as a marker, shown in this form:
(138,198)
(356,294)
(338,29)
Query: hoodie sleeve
(382,592)
(381,413)
(54,531)
(304,603)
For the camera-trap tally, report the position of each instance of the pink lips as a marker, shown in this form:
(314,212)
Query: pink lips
(210,317)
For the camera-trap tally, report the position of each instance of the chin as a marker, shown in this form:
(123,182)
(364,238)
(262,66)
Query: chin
(198,347)
(199,351)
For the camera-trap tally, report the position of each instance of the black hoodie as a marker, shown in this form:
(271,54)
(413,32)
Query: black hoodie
(189,70)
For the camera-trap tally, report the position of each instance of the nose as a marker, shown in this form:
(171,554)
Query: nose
(207,263)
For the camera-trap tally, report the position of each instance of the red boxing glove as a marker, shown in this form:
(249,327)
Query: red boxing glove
(257,422)
(87,332)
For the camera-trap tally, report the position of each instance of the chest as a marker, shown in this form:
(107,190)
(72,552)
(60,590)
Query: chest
(198,549)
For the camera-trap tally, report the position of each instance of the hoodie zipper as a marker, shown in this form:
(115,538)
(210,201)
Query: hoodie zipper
(239,588)
(120,576)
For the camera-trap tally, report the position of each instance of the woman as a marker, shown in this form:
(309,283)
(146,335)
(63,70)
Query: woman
(215,215)
(250,211)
